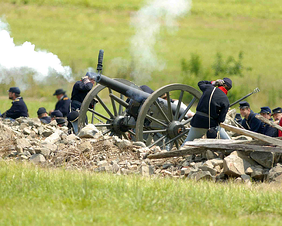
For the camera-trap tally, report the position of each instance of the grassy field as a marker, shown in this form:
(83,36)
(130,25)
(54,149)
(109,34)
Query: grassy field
(76,30)
(36,196)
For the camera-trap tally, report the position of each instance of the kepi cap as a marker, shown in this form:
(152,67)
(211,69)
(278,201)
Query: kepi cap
(228,82)
(59,91)
(60,121)
(41,111)
(276,110)
(14,90)
(73,116)
(56,113)
(244,104)
(265,110)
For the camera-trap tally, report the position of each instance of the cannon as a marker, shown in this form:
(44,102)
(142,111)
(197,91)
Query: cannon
(122,109)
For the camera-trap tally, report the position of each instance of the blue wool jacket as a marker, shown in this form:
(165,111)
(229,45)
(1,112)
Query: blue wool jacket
(218,108)
(252,123)
(18,109)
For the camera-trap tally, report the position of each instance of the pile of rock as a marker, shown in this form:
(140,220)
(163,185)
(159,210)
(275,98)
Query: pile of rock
(26,139)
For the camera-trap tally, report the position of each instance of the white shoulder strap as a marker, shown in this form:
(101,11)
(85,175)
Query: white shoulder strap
(210,107)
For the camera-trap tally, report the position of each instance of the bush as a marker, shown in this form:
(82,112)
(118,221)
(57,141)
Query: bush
(193,71)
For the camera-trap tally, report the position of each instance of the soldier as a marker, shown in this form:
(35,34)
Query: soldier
(58,116)
(43,116)
(19,108)
(80,90)
(211,109)
(250,122)
(277,114)
(63,103)
(267,129)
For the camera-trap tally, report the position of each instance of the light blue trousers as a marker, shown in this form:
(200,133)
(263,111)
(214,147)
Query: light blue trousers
(195,133)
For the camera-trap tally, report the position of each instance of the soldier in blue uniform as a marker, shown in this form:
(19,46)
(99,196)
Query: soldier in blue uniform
(63,103)
(19,108)
(211,109)
(267,129)
(58,116)
(277,114)
(43,116)
(250,122)
(80,90)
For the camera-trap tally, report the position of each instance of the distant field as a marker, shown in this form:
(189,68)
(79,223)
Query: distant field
(34,196)
(76,30)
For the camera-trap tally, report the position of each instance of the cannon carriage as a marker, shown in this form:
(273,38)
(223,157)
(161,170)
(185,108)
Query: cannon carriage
(122,109)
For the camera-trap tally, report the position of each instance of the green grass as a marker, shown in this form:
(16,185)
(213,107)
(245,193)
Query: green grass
(76,30)
(34,196)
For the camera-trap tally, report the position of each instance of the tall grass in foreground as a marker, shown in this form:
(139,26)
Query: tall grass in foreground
(34,196)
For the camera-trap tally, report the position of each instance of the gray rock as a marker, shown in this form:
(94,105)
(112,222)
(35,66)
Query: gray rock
(217,162)
(266,159)
(185,171)
(51,147)
(40,130)
(166,165)
(236,163)
(209,169)
(107,143)
(245,177)
(146,170)
(123,144)
(45,133)
(275,173)
(139,143)
(201,175)
(22,143)
(233,166)
(115,167)
(88,131)
(124,171)
(13,154)
(55,137)
(72,137)
(210,154)
(44,151)
(37,158)
(26,131)
(102,163)
(85,146)
(258,173)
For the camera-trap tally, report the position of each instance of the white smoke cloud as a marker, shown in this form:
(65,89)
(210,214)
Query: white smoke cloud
(148,22)
(23,60)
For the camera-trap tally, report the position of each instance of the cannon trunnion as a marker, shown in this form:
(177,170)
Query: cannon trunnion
(122,109)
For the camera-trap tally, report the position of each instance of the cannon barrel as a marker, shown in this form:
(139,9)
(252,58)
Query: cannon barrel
(131,92)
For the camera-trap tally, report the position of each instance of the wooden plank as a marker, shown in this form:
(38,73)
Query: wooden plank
(254,135)
(263,119)
(188,150)
(178,153)
(239,147)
